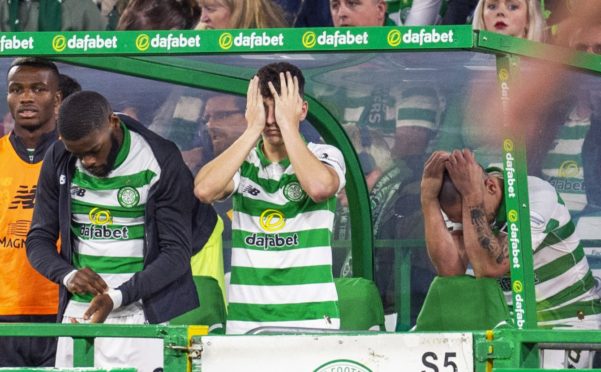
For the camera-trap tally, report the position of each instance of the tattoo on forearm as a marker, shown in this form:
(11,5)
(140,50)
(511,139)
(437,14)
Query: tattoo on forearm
(484,234)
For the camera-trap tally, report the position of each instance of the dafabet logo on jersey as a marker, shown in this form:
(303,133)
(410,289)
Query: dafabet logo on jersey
(15,43)
(271,220)
(336,38)
(262,39)
(171,41)
(60,42)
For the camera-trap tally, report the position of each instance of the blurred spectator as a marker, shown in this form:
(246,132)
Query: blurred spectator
(418,12)
(111,11)
(57,15)
(220,14)
(374,12)
(67,85)
(358,12)
(290,8)
(314,13)
(458,11)
(160,15)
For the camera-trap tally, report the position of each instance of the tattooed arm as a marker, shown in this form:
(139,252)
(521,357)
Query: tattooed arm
(487,253)
(481,196)
(444,248)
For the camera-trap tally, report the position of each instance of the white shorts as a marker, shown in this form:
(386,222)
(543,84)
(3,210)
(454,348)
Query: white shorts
(144,354)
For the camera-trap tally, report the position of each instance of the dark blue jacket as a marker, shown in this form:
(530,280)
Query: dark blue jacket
(174,218)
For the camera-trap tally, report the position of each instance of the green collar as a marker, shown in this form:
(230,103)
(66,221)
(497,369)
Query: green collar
(265,161)
(125,145)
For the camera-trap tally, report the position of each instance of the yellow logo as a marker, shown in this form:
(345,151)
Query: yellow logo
(226,40)
(142,42)
(309,39)
(517,286)
(568,168)
(59,43)
(512,216)
(100,216)
(503,74)
(394,38)
(272,220)
(508,145)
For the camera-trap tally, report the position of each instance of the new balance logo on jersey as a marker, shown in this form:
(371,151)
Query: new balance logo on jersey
(25,197)
(251,190)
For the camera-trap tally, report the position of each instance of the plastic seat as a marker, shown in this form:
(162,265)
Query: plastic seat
(360,305)
(211,311)
(462,303)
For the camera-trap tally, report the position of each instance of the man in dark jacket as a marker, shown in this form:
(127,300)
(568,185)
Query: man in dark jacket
(121,199)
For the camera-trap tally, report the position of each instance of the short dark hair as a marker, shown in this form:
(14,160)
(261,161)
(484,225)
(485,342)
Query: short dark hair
(67,85)
(35,62)
(159,15)
(81,114)
(271,72)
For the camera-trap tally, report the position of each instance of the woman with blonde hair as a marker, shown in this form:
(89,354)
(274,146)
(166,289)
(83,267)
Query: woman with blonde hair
(218,14)
(519,18)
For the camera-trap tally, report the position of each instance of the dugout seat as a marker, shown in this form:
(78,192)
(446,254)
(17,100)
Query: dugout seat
(360,305)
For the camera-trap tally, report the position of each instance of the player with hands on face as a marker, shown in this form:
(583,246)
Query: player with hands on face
(283,192)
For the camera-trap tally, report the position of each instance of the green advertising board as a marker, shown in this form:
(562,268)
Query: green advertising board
(236,41)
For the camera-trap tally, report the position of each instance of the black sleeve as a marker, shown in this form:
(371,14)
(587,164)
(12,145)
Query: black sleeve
(458,11)
(174,201)
(44,231)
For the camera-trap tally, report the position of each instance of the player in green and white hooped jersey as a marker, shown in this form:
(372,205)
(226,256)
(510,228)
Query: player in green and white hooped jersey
(121,199)
(284,197)
(566,292)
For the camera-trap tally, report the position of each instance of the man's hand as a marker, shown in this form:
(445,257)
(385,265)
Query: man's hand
(288,103)
(99,309)
(432,175)
(255,110)
(467,175)
(86,281)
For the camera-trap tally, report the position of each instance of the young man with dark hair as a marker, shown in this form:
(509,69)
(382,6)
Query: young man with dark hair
(283,193)
(33,100)
(121,198)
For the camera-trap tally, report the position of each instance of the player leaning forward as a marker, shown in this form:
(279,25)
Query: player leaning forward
(120,197)
(284,199)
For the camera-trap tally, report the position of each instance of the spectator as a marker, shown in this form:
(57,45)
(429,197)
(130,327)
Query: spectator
(284,198)
(160,15)
(347,13)
(56,15)
(150,221)
(566,292)
(519,18)
(373,13)
(219,14)
(67,85)
(33,99)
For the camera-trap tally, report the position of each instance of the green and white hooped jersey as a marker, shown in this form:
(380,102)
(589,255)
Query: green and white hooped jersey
(564,283)
(281,253)
(107,218)
(563,164)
